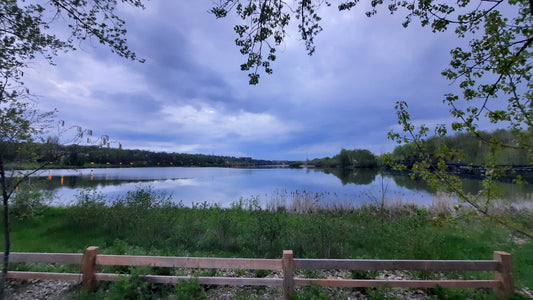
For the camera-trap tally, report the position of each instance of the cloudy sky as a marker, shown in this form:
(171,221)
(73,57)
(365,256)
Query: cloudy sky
(191,97)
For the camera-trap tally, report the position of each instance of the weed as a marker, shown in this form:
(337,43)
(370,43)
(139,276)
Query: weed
(269,230)
(313,273)
(382,293)
(240,272)
(206,273)
(88,210)
(188,290)
(362,274)
(144,223)
(223,229)
(313,292)
(132,286)
(245,296)
(29,203)
(459,294)
(261,273)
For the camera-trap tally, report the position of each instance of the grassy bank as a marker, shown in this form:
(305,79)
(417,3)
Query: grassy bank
(145,222)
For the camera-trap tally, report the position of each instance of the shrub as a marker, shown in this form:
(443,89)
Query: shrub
(28,203)
(89,209)
(144,216)
(188,290)
(314,292)
(130,287)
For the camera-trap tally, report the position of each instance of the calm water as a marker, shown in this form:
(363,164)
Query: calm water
(225,186)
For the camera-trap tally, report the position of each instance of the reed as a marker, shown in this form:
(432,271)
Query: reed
(145,223)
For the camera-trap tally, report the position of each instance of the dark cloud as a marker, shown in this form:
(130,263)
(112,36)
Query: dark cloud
(190,96)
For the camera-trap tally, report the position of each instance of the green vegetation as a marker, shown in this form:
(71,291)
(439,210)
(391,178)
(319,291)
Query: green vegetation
(358,158)
(29,30)
(97,156)
(145,222)
(471,149)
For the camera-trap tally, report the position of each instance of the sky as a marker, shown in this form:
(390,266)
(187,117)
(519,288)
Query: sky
(190,95)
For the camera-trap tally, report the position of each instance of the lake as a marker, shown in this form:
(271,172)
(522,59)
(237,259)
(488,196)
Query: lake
(225,186)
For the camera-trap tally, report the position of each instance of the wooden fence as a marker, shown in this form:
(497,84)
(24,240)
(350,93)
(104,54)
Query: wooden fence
(91,261)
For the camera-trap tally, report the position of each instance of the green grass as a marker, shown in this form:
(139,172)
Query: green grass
(51,232)
(145,222)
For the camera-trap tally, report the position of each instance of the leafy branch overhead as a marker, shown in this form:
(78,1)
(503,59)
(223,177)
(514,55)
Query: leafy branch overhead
(265,26)
(27,30)
(490,71)
(495,64)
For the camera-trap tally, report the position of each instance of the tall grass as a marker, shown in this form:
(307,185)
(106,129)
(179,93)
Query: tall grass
(146,222)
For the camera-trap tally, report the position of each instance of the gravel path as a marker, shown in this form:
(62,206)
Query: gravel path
(40,289)
(61,290)
(58,290)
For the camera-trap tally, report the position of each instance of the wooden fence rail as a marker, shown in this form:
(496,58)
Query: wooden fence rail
(91,261)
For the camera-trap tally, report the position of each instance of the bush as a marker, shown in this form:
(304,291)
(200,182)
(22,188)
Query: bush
(28,203)
(144,216)
(314,292)
(188,290)
(130,287)
(89,209)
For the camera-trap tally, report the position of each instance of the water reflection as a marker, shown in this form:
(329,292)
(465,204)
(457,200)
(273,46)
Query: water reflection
(472,185)
(224,185)
(357,176)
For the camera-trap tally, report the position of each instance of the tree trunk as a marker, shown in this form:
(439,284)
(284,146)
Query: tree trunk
(5,199)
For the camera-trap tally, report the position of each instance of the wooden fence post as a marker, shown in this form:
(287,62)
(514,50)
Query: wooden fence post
(504,274)
(288,274)
(89,268)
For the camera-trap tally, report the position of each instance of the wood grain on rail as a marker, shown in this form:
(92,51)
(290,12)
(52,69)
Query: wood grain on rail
(424,284)
(233,281)
(44,276)
(190,262)
(391,265)
(31,257)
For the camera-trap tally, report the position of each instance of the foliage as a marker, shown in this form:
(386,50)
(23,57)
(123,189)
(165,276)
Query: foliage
(313,292)
(357,158)
(264,29)
(28,203)
(431,166)
(131,287)
(359,177)
(493,73)
(470,149)
(188,290)
(361,274)
(326,162)
(18,122)
(382,293)
(140,214)
(95,156)
(88,209)
(27,31)
(368,232)
(268,227)
(450,294)
(317,233)
(500,49)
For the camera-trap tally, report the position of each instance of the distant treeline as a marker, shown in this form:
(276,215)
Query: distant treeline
(86,156)
(472,150)
(358,158)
